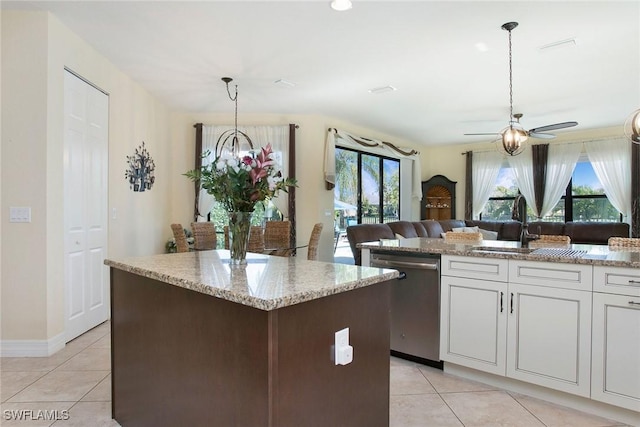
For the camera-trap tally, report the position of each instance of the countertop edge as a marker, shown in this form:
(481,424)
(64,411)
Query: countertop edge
(253,301)
(466,249)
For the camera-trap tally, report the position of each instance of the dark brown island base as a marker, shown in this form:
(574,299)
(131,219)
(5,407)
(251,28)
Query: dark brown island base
(196,342)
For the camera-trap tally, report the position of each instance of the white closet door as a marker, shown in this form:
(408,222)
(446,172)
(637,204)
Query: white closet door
(86,111)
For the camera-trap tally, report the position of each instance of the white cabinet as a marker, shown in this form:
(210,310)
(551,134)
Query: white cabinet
(616,337)
(531,331)
(549,337)
(473,324)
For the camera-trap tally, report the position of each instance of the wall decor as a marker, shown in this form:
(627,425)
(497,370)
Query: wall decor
(140,170)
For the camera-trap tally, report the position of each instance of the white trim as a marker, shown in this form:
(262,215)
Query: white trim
(32,348)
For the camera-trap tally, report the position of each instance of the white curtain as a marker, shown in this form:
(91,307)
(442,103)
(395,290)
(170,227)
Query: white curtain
(484,172)
(561,162)
(330,159)
(277,136)
(611,161)
(373,146)
(522,166)
(210,135)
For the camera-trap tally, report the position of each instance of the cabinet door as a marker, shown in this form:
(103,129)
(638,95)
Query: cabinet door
(549,337)
(616,350)
(473,323)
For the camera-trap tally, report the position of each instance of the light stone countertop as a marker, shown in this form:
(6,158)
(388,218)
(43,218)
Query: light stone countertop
(265,282)
(588,254)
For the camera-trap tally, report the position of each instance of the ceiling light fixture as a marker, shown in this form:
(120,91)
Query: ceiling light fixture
(632,127)
(382,89)
(513,136)
(341,5)
(231,135)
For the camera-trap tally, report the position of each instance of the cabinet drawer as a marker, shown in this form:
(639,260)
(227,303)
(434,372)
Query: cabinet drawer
(552,274)
(617,280)
(494,269)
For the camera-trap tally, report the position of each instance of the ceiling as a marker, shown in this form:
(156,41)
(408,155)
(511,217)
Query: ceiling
(428,50)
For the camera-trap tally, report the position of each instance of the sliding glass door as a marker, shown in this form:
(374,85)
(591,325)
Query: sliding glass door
(367,188)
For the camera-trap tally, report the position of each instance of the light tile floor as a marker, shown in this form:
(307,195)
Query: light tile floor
(77,379)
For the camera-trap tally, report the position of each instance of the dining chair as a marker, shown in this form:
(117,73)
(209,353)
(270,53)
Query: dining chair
(256,239)
(204,236)
(277,236)
(312,250)
(180,237)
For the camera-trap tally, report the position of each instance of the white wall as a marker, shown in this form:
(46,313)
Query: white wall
(35,49)
(313,202)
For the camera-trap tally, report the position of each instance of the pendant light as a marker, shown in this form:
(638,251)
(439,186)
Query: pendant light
(514,135)
(228,140)
(632,127)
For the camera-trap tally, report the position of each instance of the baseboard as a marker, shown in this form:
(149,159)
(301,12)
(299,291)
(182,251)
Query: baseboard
(553,396)
(32,348)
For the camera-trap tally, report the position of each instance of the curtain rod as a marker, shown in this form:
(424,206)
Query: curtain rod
(570,142)
(288,124)
(372,143)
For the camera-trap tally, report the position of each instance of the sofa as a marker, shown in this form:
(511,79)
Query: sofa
(595,233)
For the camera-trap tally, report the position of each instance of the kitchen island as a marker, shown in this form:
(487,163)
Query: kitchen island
(197,342)
(559,322)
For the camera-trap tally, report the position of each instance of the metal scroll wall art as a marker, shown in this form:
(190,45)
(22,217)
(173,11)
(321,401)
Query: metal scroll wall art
(140,170)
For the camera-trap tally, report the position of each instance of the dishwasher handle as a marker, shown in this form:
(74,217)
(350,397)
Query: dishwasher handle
(404,264)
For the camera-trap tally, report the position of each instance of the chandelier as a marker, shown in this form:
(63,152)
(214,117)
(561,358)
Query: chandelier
(513,136)
(229,140)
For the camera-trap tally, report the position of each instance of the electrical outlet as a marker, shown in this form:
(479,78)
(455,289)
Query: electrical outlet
(343,351)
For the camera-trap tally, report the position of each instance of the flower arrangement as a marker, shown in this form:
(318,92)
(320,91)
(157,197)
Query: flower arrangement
(239,183)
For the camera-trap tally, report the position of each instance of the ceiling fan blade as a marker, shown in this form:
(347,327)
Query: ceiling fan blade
(493,133)
(556,126)
(541,135)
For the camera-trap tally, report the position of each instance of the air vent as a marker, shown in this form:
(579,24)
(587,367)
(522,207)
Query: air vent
(570,42)
(284,83)
(383,89)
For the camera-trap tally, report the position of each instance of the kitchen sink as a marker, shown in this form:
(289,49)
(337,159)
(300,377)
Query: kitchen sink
(495,250)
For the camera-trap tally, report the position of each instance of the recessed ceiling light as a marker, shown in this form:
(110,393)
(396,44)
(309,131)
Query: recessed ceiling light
(341,5)
(382,89)
(482,47)
(570,42)
(284,83)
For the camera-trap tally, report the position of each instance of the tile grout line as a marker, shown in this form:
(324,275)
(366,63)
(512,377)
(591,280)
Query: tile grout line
(525,408)
(440,397)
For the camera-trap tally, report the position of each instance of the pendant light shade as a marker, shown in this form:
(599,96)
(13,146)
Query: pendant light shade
(513,139)
(632,127)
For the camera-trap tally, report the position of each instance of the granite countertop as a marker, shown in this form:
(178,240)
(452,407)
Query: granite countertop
(265,282)
(550,252)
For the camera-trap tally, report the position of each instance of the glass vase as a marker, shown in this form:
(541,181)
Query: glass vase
(239,229)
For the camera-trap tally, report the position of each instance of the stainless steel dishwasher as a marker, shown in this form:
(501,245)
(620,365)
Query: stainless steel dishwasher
(415,305)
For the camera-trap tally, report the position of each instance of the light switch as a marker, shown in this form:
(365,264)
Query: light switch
(20,214)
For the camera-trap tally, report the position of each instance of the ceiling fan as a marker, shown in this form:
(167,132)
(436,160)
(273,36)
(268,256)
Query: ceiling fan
(514,135)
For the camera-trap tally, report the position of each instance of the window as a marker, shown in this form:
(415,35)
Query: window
(584,199)
(367,188)
(500,203)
